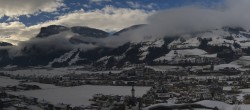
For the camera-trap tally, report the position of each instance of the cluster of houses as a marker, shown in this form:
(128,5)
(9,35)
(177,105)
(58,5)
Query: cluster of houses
(189,60)
(99,102)
(140,75)
(224,71)
(20,87)
(186,92)
(172,86)
(182,45)
(179,91)
(115,102)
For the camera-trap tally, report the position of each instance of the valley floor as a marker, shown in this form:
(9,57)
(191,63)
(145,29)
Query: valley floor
(159,88)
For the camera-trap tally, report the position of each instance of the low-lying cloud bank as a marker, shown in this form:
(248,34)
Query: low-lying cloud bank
(51,44)
(176,21)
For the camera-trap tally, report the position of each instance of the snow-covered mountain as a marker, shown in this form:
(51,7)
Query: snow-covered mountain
(198,48)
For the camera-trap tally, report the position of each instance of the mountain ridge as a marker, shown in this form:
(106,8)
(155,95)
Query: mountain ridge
(215,46)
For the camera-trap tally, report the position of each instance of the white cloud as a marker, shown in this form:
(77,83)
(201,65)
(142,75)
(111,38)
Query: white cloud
(133,4)
(108,19)
(15,8)
(188,19)
(86,5)
(100,1)
(15,32)
(138,5)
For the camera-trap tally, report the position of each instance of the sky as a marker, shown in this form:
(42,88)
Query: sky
(21,20)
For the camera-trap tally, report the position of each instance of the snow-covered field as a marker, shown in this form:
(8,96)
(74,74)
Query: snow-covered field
(172,54)
(223,106)
(222,66)
(75,96)
(243,61)
(165,68)
(238,64)
(209,103)
(5,81)
(80,95)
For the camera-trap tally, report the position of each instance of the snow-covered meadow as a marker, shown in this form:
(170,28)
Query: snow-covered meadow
(208,103)
(5,81)
(76,96)
(80,95)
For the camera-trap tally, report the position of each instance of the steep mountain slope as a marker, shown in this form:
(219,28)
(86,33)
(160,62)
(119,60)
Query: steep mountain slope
(198,48)
(129,28)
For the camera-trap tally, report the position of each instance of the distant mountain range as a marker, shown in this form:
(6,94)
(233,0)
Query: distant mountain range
(198,48)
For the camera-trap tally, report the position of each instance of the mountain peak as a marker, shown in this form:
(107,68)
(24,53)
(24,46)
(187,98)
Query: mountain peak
(89,32)
(81,30)
(129,28)
(51,30)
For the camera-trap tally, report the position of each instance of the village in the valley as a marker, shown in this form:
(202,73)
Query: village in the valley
(124,55)
(182,82)
(176,86)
